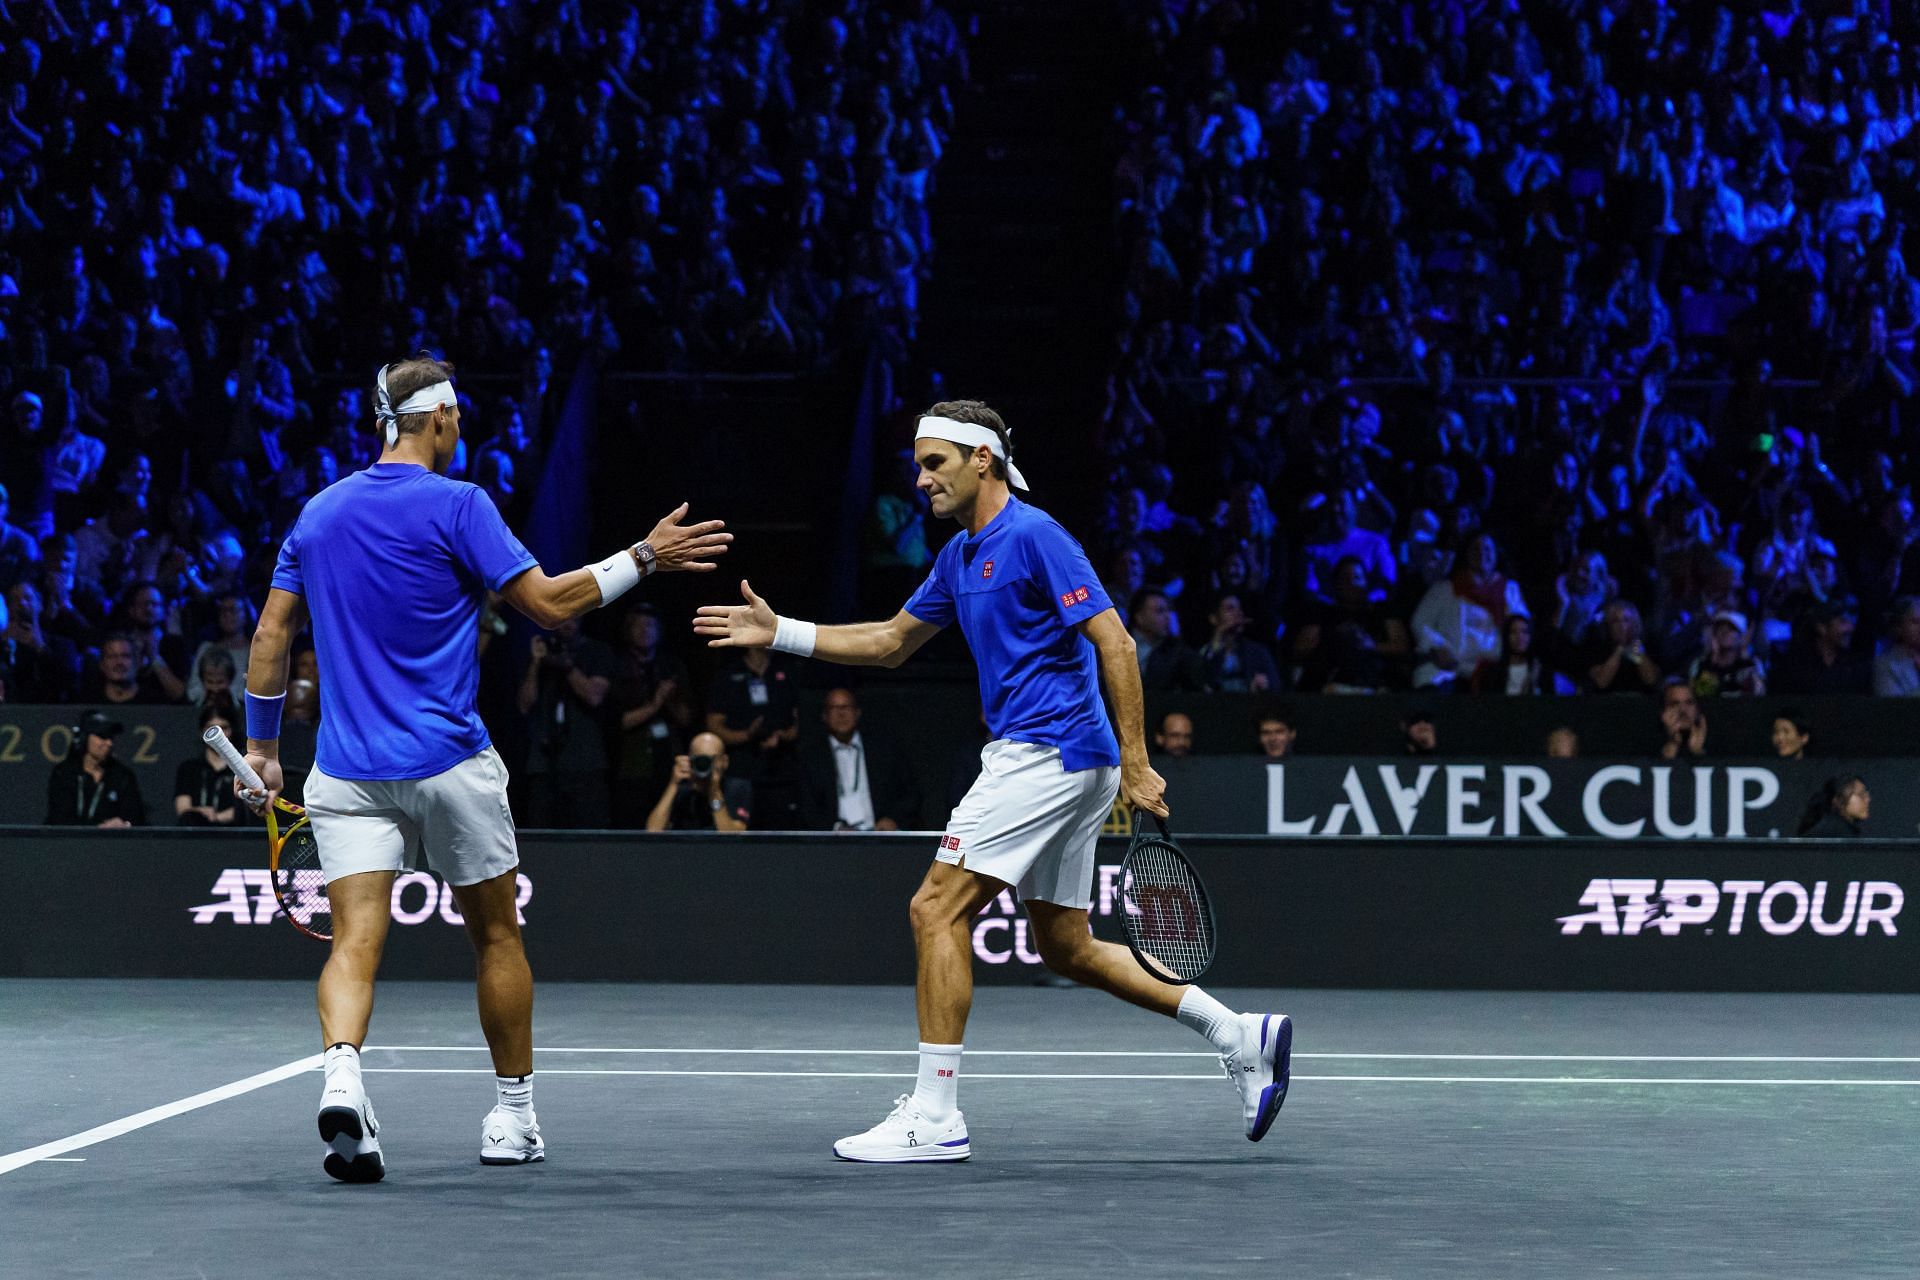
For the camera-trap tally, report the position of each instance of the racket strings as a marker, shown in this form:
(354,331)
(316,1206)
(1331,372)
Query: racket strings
(1167,914)
(300,884)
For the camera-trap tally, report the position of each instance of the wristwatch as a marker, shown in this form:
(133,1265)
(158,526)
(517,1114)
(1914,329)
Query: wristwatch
(643,554)
(714,804)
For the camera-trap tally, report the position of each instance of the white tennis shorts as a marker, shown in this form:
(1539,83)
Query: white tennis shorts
(1031,823)
(460,817)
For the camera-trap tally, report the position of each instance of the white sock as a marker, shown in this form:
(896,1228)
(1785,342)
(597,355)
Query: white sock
(938,1089)
(1211,1019)
(343,1057)
(516,1094)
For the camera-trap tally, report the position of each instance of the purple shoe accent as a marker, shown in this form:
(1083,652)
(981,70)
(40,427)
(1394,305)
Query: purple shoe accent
(1263,1031)
(957,1142)
(1274,1096)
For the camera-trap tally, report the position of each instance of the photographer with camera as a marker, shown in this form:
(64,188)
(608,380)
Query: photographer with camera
(699,795)
(567,678)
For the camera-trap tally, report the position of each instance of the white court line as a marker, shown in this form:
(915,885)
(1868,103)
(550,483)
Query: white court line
(1036,1075)
(1171,1053)
(154,1115)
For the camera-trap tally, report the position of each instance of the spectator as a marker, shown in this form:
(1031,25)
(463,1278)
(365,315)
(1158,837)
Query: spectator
(1166,663)
(1621,662)
(303,688)
(1683,726)
(203,785)
(1419,737)
(213,675)
(1340,537)
(158,650)
(648,706)
(91,788)
(1174,736)
(699,796)
(1276,734)
(1516,671)
(234,620)
(1822,661)
(753,708)
(565,683)
(118,678)
(1727,667)
(1234,663)
(1352,645)
(19,549)
(1581,596)
(1896,672)
(1792,731)
(1838,811)
(851,781)
(1460,620)
(38,665)
(1563,744)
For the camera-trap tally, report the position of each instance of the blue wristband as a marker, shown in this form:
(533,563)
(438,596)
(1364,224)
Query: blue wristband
(263,716)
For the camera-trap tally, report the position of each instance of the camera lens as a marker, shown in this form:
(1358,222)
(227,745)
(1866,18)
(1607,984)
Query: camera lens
(702,766)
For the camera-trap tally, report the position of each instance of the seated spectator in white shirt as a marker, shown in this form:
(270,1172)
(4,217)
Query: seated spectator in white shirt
(850,780)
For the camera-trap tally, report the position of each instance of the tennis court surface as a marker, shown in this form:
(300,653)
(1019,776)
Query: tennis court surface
(1427,1134)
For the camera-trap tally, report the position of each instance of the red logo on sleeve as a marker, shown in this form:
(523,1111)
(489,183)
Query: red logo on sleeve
(1068,599)
(987,570)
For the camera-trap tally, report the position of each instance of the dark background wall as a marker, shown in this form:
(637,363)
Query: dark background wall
(756,908)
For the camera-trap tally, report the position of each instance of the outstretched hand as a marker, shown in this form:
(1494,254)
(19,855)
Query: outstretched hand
(691,547)
(738,626)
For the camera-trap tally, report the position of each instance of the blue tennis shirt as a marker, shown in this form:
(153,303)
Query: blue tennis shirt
(1019,588)
(394,563)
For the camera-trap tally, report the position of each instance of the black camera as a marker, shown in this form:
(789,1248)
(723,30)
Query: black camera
(702,766)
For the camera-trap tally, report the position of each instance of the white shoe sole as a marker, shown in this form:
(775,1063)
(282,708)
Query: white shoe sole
(514,1157)
(944,1153)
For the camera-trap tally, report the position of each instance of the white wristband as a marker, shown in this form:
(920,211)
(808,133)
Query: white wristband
(615,576)
(790,635)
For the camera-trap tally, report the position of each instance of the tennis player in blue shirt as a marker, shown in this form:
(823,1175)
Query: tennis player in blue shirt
(391,566)
(1044,635)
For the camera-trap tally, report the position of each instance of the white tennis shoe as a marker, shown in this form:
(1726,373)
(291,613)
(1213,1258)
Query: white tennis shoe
(906,1136)
(1261,1068)
(351,1133)
(505,1140)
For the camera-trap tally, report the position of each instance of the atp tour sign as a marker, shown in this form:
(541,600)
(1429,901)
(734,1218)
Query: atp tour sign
(1623,908)
(1336,798)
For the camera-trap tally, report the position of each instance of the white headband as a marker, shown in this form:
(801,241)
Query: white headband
(424,400)
(972,436)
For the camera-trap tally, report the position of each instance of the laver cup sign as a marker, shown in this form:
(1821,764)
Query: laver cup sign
(1340,798)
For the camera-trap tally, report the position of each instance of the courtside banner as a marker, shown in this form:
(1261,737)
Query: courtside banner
(1448,797)
(1521,913)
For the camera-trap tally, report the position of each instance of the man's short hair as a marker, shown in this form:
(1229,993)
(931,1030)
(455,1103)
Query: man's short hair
(1274,715)
(978,414)
(1140,598)
(417,373)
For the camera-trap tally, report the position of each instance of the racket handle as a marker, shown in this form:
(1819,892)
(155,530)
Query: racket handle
(1158,821)
(216,738)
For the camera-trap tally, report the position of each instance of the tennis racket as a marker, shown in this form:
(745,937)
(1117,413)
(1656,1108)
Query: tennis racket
(1165,907)
(293,860)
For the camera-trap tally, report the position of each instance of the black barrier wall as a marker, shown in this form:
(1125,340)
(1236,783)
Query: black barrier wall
(1573,915)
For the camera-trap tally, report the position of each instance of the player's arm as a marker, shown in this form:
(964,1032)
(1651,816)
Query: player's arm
(675,547)
(754,625)
(283,618)
(1140,786)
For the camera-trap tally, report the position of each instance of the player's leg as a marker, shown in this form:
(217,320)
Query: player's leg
(1255,1048)
(941,915)
(927,1125)
(467,828)
(362,912)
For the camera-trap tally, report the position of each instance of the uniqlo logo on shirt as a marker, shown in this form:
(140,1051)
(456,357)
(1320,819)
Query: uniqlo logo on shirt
(1071,598)
(986,570)
(950,843)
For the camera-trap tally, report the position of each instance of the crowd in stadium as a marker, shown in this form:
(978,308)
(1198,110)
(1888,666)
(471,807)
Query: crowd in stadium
(216,221)
(1501,351)
(1420,297)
